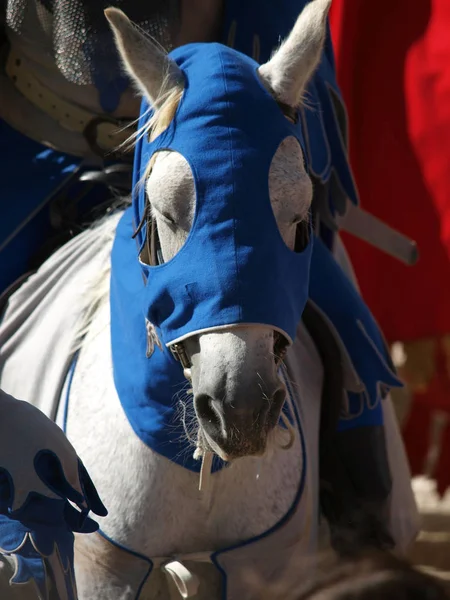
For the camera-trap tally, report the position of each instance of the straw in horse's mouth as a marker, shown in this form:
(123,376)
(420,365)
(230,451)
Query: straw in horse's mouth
(205,444)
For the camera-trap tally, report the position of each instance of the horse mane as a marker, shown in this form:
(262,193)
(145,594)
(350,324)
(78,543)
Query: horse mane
(97,287)
(164,109)
(162,117)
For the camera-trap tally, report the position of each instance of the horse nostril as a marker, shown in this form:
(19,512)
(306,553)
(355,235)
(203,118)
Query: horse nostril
(206,410)
(278,399)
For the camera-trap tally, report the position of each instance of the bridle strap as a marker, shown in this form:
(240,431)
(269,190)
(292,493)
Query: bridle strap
(105,135)
(180,354)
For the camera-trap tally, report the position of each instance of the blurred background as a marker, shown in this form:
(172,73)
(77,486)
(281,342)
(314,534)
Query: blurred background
(393,64)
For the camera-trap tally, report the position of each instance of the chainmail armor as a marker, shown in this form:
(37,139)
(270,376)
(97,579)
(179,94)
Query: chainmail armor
(78,35)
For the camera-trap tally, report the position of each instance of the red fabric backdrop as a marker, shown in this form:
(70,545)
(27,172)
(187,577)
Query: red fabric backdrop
(393,61)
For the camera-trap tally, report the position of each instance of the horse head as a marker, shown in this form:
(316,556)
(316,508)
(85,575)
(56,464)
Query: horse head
(224,208)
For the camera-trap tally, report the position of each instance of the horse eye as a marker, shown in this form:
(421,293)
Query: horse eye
(166,218)
(302,236)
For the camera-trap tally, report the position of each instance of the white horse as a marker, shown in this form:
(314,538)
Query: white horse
(164,537)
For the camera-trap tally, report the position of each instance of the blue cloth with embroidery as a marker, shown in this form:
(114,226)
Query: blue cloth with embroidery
(242,255)
(336,296)
(255,28)
(228,130)
(234,266)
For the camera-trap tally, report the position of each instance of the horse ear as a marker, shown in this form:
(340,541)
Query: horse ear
(290,68)
(153,71)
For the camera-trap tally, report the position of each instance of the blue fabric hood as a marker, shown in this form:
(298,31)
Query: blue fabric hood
(234,267)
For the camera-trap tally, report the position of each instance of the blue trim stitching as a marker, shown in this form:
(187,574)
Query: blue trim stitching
(133,553)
